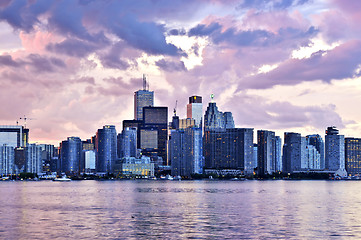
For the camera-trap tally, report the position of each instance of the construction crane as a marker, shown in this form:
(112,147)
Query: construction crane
(25,119)
(175,108)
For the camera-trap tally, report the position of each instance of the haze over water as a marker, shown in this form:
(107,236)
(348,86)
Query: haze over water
(180,210)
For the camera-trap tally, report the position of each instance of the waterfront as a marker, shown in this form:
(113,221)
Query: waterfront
(180,210)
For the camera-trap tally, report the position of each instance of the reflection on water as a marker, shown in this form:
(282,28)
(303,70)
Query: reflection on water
(180,210)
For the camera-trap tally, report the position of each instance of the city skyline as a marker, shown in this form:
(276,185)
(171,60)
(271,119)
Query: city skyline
(276,65)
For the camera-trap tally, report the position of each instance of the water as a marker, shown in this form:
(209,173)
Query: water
(180,210)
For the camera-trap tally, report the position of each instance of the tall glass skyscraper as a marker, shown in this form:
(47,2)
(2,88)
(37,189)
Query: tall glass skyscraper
(195,109)
(106,146)
(142,98)
(70,155)
(353,156)
(266,152)
(334,150)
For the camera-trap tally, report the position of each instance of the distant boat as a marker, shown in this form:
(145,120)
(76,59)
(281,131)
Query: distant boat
(62,179)
(169,177)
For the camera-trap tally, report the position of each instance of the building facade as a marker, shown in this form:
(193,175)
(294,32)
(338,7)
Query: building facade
(334,150)
(294,152)
(33,157)
(266,152)
(70,155)
(317,141)
(195,109)
(229,148)
(353,156)
(7,160)
(106,146)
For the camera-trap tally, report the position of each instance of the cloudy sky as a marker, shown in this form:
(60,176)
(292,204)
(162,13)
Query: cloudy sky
(283,65)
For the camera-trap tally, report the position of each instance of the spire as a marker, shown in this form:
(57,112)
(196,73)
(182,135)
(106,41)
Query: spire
(212,97)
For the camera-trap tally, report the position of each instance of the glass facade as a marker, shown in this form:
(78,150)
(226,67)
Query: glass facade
(353,156)
(142,98)
(70,155)
(106,146)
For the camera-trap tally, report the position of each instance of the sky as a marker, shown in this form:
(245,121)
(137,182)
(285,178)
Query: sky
(72,66)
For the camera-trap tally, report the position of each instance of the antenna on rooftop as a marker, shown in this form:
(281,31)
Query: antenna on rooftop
(144,82)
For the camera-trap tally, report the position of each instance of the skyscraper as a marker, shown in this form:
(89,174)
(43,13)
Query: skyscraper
(334,150)
(353,156)
(229,149)
(317,141)
(185,151)
(294,154)
(7,160)
(70,155)
(33,157)
(266,152)
(278,154)
(106,146)
(215,120)
(154,132)
(15,136)
(142,98)
(195,109)
(128,142)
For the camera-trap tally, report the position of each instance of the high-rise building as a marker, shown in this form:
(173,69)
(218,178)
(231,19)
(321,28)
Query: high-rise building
(195,109)
(33,157)
(266,152)
(70,155)
(14,136)
(185,151)
(48,152)
(215,120)
(106,146)
(134,124)
(317,141)
(229,149)
(128,142)
(353,156)
(7,160)
(294,152)
(334,150)
(278,154)
(142,98)
(154,132)
(312,158)
(20,162)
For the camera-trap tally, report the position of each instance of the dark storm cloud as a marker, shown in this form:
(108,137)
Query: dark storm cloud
(7,60)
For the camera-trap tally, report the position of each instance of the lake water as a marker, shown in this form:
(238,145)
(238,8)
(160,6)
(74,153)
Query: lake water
(180,210)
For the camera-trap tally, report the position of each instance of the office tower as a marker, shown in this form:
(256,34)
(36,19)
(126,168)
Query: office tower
(228,120)
(317,141)
(19,162)
(154,132)
(278,154)
(185,151)
(106,146)
(70,155)
(128,143)
(7,160)
(33,158)
(334,150)
(14,136)
(353,156)
(213,119)
(142,98)
(195,109)
(186,122)
(312,158)
(229,149)
(294,152)
(266,161)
